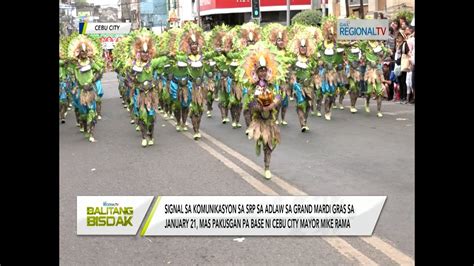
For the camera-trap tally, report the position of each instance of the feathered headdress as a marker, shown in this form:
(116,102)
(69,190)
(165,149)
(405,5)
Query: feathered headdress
(219,37)
(303,38)
(261,56)
(143,41)
(98,58)
(294,29)
(191,33)
(249,31)
(229,43)
(316,33)
(329,31)
(276,31)
(81,43)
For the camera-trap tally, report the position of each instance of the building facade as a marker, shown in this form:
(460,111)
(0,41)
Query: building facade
(154,13)
(181,11)
(67,16)
(130,12)
(234,12)
(374,8)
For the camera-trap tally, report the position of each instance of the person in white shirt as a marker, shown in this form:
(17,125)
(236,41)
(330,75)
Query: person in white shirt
(411,54)
(401,48)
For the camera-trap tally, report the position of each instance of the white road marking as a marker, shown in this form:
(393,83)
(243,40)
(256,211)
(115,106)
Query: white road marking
(388,250)
(341,246)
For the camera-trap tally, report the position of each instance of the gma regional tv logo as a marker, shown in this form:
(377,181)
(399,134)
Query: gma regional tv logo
(362,29)
(109,214)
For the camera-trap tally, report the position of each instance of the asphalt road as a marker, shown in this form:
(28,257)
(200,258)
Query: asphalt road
(353,154)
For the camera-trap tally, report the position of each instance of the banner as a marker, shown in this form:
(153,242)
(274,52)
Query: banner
(104,28)
(362,29)
(108,41)
(263,215)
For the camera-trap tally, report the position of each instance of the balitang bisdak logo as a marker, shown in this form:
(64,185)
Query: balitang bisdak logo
(110,215)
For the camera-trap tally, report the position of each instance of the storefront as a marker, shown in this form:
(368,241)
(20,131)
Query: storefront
(235,12)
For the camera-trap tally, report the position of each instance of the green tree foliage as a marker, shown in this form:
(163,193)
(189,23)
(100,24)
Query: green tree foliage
(405,13)
(308,17)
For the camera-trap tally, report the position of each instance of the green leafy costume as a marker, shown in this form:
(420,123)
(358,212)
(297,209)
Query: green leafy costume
(82,54)
(303,47)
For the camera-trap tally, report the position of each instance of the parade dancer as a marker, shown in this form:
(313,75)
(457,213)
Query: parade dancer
(353,57)
(191,44)
(63,103)
(70,72)
(81,54)
(261,74)
(215,47)
(129,79)
(224,86)
(63,83)
(227,62)
(318,77)
(165,96)
(161,75)
(100,94)
(143,66)
(374,53)
(168,48)
(180,85)
(316,72)
(329,67)
(250,33)
(210,85)
(118,66)
(277,34)
(303,48)
(343,69)
(100,61)
(210,68)
(121,88)
(219,39)
(181,89)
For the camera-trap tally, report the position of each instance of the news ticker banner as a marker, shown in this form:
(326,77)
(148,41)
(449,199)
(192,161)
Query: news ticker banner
(362,29)
(229,215)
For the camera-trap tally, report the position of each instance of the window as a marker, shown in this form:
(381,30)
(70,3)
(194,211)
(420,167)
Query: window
(357,2)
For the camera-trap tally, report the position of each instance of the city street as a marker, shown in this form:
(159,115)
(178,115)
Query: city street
(351,155)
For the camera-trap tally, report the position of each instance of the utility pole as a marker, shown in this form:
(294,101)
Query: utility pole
(199,12)
(361,9)
(288,13)
(323,7)
(315,4)
(347,8)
